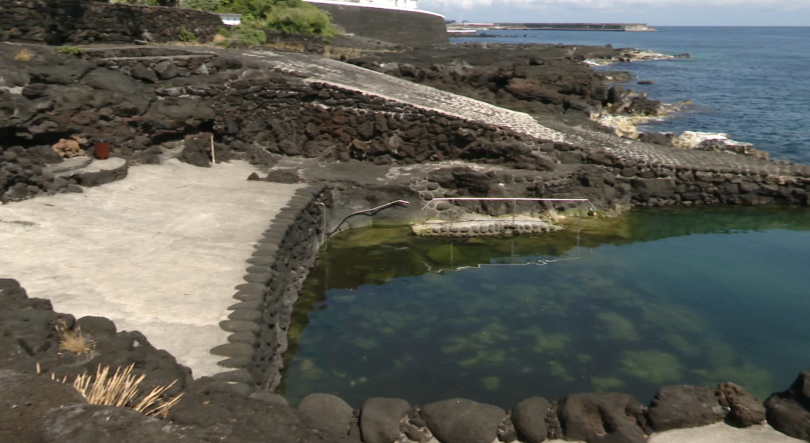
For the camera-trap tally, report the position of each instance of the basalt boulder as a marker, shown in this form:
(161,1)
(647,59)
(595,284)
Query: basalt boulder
(25,398)
(97,423)
(789,411)
(529,418)
(744,409)
(380,417)
(463,421)
(602,417)
(679,407)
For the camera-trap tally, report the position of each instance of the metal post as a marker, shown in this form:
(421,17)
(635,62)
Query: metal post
(514,210)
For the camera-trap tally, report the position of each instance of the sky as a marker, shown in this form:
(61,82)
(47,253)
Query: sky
(652,12)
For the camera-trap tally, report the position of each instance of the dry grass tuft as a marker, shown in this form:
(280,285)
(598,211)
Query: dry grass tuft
(120,389)
(24,55)
(72,340)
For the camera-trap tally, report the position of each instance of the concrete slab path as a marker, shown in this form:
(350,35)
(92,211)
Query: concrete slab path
(722,433)
(159,252)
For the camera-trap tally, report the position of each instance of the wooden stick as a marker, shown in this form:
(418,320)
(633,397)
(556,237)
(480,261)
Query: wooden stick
(213,153)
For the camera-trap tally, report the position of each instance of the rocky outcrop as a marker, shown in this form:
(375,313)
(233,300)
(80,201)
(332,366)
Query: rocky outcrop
(530,78)
(210,410)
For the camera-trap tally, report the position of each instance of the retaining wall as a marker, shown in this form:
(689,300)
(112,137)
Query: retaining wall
(275,275)
(58,22)
(402,26)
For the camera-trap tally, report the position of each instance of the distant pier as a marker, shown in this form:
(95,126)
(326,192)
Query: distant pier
(626,27)
(469,29)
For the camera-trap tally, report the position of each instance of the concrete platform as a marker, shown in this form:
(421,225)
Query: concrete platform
(159,252)
(722,433)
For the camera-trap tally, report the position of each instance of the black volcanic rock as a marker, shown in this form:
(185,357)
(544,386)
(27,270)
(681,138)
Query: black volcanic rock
(679,407)
(463,421)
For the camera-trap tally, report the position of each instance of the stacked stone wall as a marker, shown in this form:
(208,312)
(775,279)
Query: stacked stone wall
(259,324)
(60,22)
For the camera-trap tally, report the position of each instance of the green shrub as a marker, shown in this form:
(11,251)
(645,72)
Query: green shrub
(186,35)
(205,5)
(303,18)
(249,31)
(224,31)
(70,50)
(256,8)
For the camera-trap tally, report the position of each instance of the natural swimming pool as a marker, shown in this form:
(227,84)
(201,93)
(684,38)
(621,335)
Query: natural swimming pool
(656,297)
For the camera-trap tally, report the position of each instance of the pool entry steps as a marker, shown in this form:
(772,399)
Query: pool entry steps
(458,221)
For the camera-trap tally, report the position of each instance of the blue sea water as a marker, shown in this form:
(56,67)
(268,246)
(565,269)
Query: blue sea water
(749,82)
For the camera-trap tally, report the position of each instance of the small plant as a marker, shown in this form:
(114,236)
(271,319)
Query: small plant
(121,389)
(72,340)
(70,50)
(24,55)
(186,35)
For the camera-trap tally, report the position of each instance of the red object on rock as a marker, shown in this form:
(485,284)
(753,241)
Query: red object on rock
(102,150)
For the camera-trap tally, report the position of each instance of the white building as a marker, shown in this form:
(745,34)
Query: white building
(231,19)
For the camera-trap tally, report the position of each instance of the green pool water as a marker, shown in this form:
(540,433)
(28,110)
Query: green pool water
(656,297)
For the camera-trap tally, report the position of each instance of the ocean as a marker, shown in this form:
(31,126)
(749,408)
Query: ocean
(749,82)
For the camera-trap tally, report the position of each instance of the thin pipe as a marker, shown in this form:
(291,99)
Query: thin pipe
(369,212)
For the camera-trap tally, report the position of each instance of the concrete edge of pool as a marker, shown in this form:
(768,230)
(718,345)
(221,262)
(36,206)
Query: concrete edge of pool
(283,257)
(275,271)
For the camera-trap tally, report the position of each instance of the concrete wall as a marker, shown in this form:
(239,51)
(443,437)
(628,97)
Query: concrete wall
(405,27)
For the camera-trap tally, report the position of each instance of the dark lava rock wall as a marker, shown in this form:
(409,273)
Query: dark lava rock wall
(59,22)
(404,27)
(154,95)
(259,324)
(538,79)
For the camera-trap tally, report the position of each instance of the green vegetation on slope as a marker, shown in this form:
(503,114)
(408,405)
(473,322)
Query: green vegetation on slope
(288,16)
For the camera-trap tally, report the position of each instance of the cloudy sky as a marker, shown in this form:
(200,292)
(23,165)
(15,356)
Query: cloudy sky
(654,12)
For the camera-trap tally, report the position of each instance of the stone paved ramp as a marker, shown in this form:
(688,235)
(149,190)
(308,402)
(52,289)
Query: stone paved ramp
(671,157)
(326,70)
(159,252)
(320,69)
